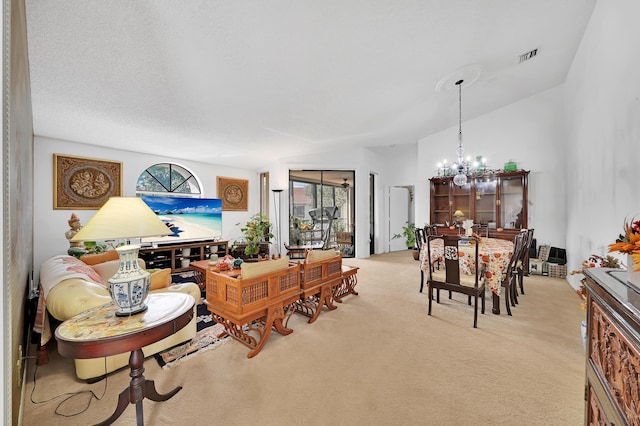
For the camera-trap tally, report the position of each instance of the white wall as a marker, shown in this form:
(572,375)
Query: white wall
(603,118)
(50,225)
(530,132)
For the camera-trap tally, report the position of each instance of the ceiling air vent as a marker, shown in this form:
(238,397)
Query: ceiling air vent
(526,56)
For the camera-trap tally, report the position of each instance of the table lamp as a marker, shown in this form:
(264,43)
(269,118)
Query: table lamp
(124,218)
(458,215)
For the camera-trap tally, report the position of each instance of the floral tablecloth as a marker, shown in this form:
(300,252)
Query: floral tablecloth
(493,252)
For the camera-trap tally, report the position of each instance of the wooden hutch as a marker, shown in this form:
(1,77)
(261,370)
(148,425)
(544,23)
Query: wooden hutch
(495,198)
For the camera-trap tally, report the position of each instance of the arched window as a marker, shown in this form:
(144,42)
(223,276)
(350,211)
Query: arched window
(165,178)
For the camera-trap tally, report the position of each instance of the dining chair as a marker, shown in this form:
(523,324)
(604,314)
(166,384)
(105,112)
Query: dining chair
(430,230)
(450,277)
(481,229)
(522,262)
(420,241)
(510,275)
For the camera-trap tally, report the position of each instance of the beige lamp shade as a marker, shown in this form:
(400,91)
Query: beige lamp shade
(458,213)
(122,218)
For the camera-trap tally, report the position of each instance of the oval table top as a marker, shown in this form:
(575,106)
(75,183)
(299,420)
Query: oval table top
(98,332)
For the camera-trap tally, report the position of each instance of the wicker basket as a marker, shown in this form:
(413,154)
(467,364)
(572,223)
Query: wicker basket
(557,271)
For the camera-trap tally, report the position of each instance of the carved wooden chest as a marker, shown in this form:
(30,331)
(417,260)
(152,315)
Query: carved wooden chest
(613,349)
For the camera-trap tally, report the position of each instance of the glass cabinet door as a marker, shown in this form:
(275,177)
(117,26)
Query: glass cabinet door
(511,202)
(461,200)
(485,201)
(497,199)
(440,206)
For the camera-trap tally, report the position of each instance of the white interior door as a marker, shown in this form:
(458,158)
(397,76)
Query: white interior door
(398,216)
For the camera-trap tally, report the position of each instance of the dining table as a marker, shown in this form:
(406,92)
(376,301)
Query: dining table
(494,253)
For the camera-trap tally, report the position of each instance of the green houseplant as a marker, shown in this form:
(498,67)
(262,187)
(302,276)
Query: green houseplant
(409,233)
(256,231)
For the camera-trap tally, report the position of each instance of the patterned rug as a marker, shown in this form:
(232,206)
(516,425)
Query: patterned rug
(210,335)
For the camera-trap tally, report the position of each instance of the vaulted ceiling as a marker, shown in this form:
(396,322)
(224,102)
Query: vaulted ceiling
(242,83)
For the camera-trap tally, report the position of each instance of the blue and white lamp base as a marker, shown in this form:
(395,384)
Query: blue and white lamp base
(129,287)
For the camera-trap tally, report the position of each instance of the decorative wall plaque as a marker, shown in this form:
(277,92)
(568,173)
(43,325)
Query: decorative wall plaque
(84,183)
(234,193)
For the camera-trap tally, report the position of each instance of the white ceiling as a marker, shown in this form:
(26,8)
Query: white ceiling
(242,83)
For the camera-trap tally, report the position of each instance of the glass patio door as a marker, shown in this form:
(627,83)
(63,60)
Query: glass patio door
(322,209)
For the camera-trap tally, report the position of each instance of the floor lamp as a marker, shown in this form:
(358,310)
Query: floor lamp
(277,191)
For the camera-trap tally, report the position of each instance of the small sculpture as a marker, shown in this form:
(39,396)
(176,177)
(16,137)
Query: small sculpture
(76,248)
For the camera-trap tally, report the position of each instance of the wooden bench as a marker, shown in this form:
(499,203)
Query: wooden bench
(321,274)
(348,284)
(259,295)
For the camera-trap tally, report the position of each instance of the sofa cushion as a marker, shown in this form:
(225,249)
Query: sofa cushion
(160,278)
(94,259)
(250,270)
(75,295)
(316,255)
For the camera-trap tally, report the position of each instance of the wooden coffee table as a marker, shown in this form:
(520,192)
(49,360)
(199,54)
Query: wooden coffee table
(98,332)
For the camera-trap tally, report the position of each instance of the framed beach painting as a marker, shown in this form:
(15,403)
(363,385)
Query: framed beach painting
(84,183)
(234,193)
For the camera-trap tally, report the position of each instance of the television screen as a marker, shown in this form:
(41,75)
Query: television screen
(188,219)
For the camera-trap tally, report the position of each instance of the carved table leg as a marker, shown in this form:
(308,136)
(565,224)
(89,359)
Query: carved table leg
(138,389)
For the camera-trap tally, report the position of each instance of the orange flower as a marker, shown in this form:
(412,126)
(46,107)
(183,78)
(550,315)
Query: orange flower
(629,243)
(623,247)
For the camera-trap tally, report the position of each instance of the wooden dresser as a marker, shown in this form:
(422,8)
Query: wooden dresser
(613,349)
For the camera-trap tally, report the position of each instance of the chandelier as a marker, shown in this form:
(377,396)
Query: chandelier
(460,178)
(462,167)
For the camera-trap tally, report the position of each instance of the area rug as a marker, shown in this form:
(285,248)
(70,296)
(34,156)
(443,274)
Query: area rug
(209,335)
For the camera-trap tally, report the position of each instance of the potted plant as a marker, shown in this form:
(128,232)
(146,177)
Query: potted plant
(256,231)
(409,234)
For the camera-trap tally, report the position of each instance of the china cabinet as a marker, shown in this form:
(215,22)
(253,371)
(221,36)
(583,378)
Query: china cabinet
(497,199)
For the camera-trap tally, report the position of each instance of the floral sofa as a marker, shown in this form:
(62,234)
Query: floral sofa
(69,286)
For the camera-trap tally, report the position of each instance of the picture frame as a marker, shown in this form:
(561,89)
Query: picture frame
(234,193)
(81,183)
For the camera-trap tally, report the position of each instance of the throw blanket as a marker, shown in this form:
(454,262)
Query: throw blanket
(52,272)
(62,267)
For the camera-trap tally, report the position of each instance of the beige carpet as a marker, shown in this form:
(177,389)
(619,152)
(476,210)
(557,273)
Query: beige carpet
(376,360)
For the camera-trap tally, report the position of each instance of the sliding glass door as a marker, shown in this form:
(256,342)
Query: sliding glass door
(322,209)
